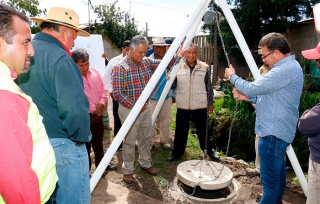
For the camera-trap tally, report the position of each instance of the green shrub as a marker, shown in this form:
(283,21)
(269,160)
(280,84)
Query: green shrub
(242,133)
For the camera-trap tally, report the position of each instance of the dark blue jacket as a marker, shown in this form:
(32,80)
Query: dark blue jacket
(310,127)
(55,84)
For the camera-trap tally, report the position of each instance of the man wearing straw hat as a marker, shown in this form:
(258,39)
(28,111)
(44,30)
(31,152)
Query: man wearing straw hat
(27,165)
(56,86)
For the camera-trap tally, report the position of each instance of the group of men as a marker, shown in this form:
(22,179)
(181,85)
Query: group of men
(49,134)
(59,170)
(52,131)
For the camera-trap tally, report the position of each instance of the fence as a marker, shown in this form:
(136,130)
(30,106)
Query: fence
(206,54)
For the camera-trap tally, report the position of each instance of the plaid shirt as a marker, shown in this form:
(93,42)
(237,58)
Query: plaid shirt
(129,78)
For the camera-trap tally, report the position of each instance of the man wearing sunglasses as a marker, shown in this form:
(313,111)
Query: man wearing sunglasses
(277,98)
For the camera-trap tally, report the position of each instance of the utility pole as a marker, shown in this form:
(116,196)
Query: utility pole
(89,14)
(146,29)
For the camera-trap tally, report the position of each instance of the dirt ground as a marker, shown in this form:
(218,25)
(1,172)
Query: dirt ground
(157,188)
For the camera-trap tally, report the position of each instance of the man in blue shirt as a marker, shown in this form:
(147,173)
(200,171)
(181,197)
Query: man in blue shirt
(277,96)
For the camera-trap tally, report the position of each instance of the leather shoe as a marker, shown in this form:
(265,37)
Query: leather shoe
(111,167)
(150,170)
(128,178)
(213,156)
(171,158)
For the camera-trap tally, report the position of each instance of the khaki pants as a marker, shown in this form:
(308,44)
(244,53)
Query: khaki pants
(313,183)
(141,131)
(162,121)
(257,161)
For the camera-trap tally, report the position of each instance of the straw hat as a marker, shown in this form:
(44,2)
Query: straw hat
(62,16)
(159,41)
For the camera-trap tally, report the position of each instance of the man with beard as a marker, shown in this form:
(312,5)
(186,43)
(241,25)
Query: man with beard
(55,84)
(27,173)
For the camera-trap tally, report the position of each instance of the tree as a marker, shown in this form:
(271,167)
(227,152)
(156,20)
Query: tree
(30,8)
(259,17)
(117,25)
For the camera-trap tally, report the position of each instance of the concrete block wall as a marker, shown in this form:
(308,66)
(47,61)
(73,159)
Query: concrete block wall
(302,36)
(110,49)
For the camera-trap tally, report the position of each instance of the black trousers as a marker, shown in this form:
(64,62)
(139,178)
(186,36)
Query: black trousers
(116,118)
(182,129)
(97,131)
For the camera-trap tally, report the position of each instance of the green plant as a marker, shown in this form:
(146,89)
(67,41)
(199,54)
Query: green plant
(242,133)
(310,82)
(117,25)
(220,154)
(252,165)
(296,181)
(300,143)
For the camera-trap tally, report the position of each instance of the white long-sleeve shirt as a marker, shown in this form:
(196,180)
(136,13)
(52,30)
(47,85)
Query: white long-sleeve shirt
(107,74)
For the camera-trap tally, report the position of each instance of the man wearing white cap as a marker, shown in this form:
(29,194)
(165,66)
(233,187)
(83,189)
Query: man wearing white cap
(56,86)
(162,122)
(310,127)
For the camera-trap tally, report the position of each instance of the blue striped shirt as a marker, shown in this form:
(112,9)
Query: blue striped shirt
(277,96)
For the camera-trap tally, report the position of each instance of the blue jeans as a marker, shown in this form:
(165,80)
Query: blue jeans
(272,151)
(72,166)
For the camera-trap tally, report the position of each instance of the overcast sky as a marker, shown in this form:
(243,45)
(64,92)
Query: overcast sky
(164,17)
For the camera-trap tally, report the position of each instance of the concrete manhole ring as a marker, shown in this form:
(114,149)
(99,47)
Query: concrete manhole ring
(231,198)
(206,172)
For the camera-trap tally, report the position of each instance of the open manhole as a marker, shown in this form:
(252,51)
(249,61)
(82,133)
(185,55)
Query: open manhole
(223,196)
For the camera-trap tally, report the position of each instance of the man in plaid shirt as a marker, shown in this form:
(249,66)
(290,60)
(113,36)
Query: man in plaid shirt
(129,78)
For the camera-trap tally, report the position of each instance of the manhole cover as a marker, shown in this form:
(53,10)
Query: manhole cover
(205,174)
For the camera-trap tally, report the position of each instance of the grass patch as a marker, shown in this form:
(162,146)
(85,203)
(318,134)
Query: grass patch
(167,170)
(218,104)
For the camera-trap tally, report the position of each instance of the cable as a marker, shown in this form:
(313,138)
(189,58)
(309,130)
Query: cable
(158,6)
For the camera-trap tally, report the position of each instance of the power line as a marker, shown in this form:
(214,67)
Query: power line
(157,6)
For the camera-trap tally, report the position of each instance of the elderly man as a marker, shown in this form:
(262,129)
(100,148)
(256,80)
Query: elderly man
(194,98)
(162,122)
(129,79)
(27,172)
(309,126)
(96,93)
(108,81)
(277,97)
(56,86)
